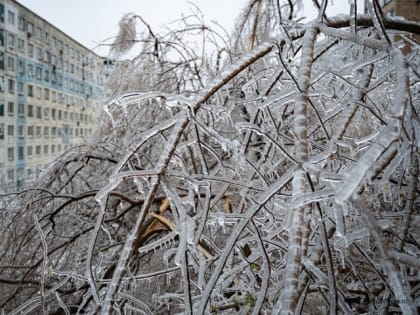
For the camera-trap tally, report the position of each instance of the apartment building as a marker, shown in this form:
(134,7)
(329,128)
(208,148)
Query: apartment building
(49,93)
(410,9)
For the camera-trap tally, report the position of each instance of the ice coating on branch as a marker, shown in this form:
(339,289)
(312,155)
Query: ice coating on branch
(317,196)
(237,67)
(340,210)
(359,172)
(186,236)
(351,237)
(402,89)
(402,154)
(102,194)
(108,112)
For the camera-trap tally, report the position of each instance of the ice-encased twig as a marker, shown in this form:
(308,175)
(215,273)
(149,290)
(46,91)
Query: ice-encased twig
(287,301)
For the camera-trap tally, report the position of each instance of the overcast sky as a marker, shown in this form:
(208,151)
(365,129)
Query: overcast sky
(93,21)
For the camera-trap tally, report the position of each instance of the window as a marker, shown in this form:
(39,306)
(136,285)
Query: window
(10,63)
(38,73)
(46,94)
(21,109)
(29,151)
(46,76)
(30,70)
(21,131)
(11,17)
(38,33)
(1,131)
(2,13)
(47,56)
(38,150)
(30,50)
(38,131)
(46,149)
(21,44)
(30,110)
(52,149)
(30,131)
(29,173)
(11,154)
(46,113)
(53,113)
(53,132)
(10,130)
(21,23)
(11,108)
(30,27)
(11,40)
(60,115)
(21,88)
(46,132)
(1,109)
(21,66)
(11,174)
(30,90)
(21,153)
(2,87)
(38,92)
(39,112)
(11,86)
(1,61)
(1,37)
(39,53)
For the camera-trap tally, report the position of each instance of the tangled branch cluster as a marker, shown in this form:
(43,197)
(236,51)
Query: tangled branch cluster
(277,175)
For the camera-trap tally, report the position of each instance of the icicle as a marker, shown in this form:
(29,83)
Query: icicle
(139,185)
(330,177)
(340,220)
(186,236)
(156,244)
(396,161)
(307,198)
(350,238)
(108,112)
(201,270)
(101,195)
(314,269)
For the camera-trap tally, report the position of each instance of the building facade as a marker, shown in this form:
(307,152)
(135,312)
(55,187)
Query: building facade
(410,9)
(49,93)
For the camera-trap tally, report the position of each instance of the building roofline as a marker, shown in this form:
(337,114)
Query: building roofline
(55,27)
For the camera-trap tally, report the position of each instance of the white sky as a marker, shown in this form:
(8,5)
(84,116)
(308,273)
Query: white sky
(93,21)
